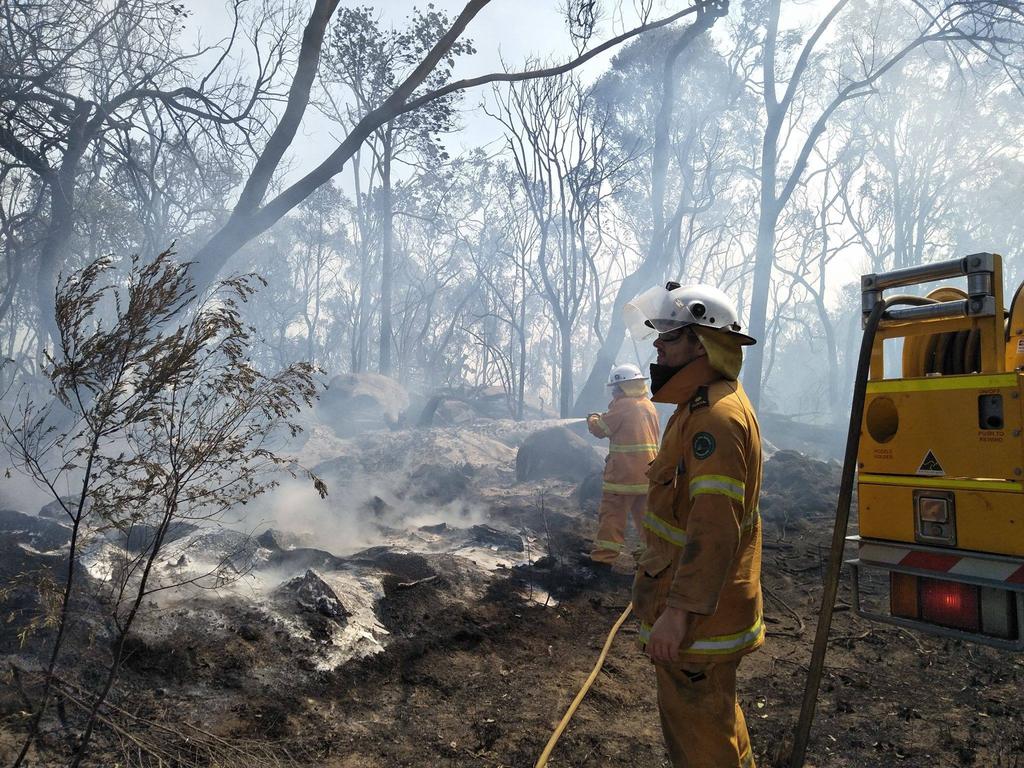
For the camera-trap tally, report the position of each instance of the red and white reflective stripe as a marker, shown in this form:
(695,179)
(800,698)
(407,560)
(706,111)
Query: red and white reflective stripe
(1008,571)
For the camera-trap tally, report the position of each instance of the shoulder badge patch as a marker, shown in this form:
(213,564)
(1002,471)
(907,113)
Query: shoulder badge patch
(699,400)
(703,445)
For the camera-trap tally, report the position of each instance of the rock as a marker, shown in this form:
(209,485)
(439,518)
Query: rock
(453,413)
(139,538)
(464,405)
(487,536)
(249,633)
(439,528)
(588,493)
(438,483)
(556,452)
(377,506)
(359,402)
(40,533)
(492,402)
(798,486)
(304,558)
(402,566)
(278,540)
(55,510)
(313,594)
(234,550)
(819,440)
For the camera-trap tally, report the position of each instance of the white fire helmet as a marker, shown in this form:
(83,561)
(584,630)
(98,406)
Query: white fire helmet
(627,372)
(663,309)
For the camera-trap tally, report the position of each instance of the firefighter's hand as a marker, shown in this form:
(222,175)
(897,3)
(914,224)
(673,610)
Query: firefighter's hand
(592,425)
(667,635)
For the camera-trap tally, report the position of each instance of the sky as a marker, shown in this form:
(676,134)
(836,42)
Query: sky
(505,34)
(509,31)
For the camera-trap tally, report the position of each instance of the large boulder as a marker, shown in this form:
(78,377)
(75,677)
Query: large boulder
(492,402)
(557,453)
(458,406)
(439,483)
(359,402)
(453,413)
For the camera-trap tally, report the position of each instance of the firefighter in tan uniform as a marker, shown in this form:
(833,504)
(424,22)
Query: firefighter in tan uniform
(631,426)
(697,589)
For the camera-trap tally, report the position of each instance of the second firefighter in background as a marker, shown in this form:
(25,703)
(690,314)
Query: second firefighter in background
(631,426)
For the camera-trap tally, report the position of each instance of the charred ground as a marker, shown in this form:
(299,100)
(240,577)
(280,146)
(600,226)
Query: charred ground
(479,664)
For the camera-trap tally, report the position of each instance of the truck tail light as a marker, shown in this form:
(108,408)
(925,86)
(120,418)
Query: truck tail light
(974,601)
(999,613)
(987,610)
(903,600)
(950,604)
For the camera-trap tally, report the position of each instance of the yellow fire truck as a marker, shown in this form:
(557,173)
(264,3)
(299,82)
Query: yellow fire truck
(938,459)
(941,459)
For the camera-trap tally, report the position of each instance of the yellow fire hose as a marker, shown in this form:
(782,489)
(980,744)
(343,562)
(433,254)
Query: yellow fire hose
(543,760)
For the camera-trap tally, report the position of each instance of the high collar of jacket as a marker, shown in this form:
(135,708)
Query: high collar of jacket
(628,398)
(683,386)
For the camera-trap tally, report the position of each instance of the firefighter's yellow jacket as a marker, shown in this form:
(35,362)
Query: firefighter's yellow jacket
(702,526)
(631,425)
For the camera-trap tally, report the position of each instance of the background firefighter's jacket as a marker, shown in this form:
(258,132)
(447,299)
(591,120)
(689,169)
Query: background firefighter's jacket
(631,425)
(702,525)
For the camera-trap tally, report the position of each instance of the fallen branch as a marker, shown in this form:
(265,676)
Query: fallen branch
(861,636)
(410,584)
(784,604)
(921,649)
(191,739)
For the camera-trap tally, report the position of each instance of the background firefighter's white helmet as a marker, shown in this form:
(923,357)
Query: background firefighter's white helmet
(663,309)
(627,372)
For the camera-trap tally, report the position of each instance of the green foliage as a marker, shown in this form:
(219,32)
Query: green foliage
(371,60)
(164,419)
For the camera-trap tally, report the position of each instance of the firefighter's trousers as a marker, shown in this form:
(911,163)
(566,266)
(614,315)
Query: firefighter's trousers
(701,717)
(611,524)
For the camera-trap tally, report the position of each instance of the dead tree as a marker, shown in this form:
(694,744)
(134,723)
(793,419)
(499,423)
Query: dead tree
(978,26)
(75,82)
(555,143)
(664,225)
(254,212)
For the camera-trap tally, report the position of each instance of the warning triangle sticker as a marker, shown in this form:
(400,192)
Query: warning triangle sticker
(930,466)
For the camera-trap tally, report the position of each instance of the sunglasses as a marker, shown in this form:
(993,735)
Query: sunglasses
(674,335)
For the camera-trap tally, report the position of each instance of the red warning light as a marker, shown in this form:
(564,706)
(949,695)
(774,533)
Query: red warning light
(950,604)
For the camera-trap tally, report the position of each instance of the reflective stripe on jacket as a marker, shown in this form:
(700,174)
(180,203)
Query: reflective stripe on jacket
(703,528)
(631,425)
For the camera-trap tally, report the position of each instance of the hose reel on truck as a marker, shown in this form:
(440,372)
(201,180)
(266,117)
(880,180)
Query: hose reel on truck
(940,456)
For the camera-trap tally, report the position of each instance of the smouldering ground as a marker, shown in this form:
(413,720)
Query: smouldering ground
(476,670)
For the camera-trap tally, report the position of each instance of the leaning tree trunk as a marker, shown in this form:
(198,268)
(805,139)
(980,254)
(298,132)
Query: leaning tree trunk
(387,253)
(764,256)
(593,395)
(61,227)
(565,382)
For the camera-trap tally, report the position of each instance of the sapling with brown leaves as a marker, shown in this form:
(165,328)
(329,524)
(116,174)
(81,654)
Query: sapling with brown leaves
(160,420)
